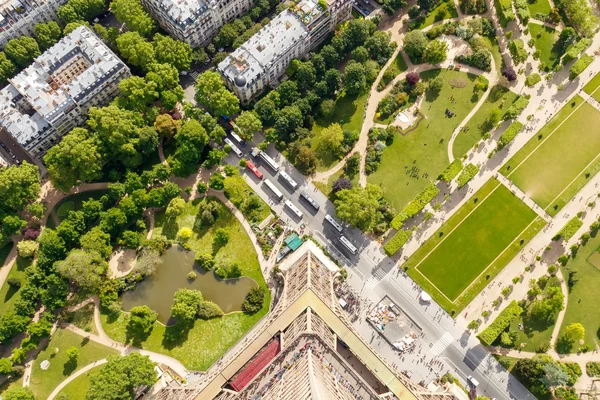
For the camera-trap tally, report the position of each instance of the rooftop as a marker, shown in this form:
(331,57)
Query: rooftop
(182,12)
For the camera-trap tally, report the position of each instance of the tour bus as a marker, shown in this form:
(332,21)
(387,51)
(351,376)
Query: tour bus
(310,201)
(348,245)
(294,209)
(235,149)
(255,170)
(269,161)
(273,189)
(334,223)
(237,138)
(288,179)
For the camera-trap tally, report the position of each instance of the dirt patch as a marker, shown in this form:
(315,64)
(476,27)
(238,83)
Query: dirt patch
(122,262)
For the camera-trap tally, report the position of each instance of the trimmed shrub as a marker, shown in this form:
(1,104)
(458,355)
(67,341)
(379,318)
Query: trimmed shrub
(398,221)
(207,310)
(254,301)
(467,174)
(509,134)
(515,109)
(517,51)
(580,65)
(421,200)
(395,243)
(533,79)
(570,228)
(504,319)
(575,50)
(451,171)
(592,368)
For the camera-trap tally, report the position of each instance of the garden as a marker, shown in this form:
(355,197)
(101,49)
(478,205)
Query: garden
(591,86)
(413,161)
(448,268)
(566,137)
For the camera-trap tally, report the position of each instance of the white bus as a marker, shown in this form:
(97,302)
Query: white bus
(348,245)
(273,189)
(334,223)
(310,201)
(294,209)
(236,137)
(288,179)
(235,149)
(269,161)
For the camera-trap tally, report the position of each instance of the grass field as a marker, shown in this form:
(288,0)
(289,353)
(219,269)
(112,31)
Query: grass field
(554,165)
(207,340)
(44,382)
(591,87)
(78,387)
(583,294)
(546,40)
(425,148)
(477,241)
(84,318)
(349,113)
(434,15)
(499,97)
(393,70)
(539,6)
(72,202)
(8,294)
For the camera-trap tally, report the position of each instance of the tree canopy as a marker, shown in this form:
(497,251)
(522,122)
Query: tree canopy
(212,93)
(86,269)
(358,206)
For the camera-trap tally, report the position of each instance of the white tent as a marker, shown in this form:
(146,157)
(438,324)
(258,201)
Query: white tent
(425,297)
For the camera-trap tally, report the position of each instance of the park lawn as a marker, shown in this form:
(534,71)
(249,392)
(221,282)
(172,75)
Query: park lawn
(555,164)
(8,294)
(539,6)
(44,382)
(78,387)
(534,332)
(396,67)
(490,222)
(84,318)
(499,97)
(425,148)
(73,202)
(208,340)
(433,17)
(4,251)
(583,295)
(546,43)
(591,87)
(349,113)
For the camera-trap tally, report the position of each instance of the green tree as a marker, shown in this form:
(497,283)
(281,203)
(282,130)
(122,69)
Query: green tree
(75,159)
(355,77)
(141,322)
(190,140)
(574,332)
(18,393)
(12,224)
(304,158)
(133,14)
(288,120)
(86,269)
(166,126)
(175,207)
(137,93)
(135,49)
(173,52)
(305,76)
(121,376)
(47,34)
(164,75)
(435,52)
(52,248)
(288,93)
(249,123)
(22,51)
(554,375)
(27,248)
(37,210)
(7,68)
(380,46)
(112,221)
(358,206)
(330,55)
(330,140)
(80,10)
(415,43)
(95,240)
(73,353)
(221,236)
(212,93)
(185,305)
(71,26)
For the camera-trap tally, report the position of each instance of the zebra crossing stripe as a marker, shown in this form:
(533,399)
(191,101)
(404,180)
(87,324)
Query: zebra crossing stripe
(443,342)
(371,283)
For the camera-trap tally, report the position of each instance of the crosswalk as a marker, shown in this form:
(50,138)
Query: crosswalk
(443,342)
(374,279)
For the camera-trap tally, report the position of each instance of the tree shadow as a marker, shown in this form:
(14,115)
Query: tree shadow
(12,290)
(176,335)
(170,228)
(136,336)
(85,341)
(69,367)
(563,345)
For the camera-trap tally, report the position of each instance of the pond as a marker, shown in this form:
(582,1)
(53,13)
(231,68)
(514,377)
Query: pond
(158,290)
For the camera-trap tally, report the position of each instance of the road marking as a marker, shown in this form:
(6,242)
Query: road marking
(371,283)
(443,342)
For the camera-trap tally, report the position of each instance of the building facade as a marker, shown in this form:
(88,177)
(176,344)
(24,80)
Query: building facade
(305,348)
(195,21)
(18,17)
(262,60)
(53,95)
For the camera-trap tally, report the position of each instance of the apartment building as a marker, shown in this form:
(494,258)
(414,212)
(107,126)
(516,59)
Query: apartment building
(195,21)
(53,95)
(262,60)
(18,17)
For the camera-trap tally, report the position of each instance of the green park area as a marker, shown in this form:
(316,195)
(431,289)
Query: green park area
(72,202)
(474,130)
(14,281)
(556,163)
(413,161)
(78,387)
(349,113)
(476,243)
(591,87)
(582,273)
(397,66)
(546,41)
(445,10)
(43,382)
(84,318)
(539,6)
(198,346)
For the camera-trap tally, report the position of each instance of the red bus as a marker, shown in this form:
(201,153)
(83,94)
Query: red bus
(253,168)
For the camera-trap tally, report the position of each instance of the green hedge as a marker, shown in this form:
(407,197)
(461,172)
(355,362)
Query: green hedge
(504,319)
(509,134)
(451,171)
(395,243)
(580,65)
(398,221)
(515,109)
(467,174)
(421,200)
(570,228)
(575,50)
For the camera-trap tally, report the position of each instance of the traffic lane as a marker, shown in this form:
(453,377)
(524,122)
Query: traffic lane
(12,145)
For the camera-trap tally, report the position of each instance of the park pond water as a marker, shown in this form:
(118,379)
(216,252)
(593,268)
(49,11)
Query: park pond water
(158,290)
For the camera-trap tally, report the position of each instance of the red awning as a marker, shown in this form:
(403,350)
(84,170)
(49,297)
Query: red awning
(252,369)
